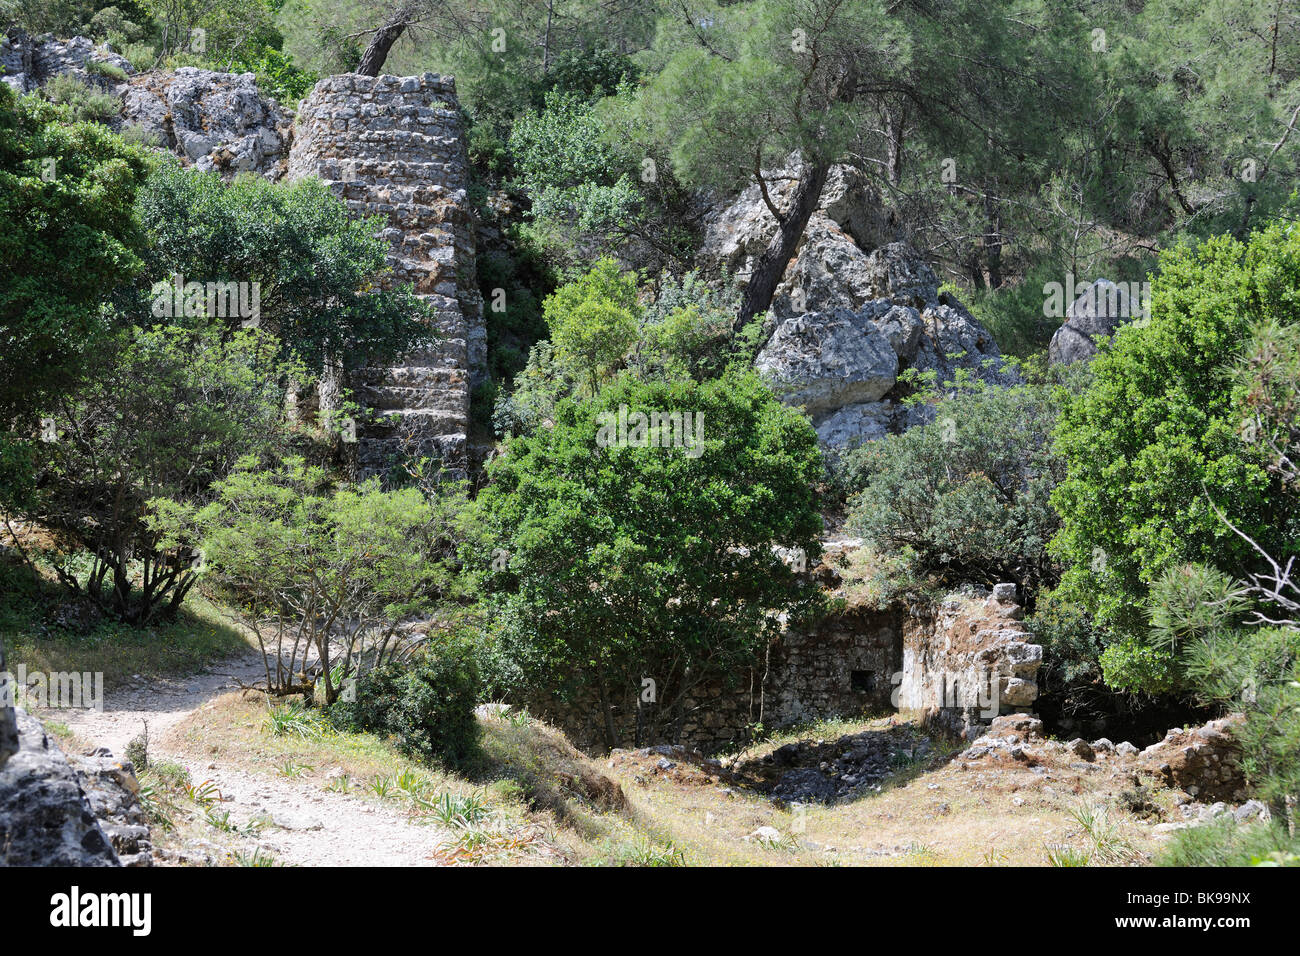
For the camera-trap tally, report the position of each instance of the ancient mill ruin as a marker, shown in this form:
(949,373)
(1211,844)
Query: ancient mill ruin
(394,147)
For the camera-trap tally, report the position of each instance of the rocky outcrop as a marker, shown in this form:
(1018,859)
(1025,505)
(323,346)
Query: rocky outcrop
(394,147)
(113,793)
(968,662)
(211,120)
(1100,309)
(856,308)
(215,121)
(29,62)
(45,817)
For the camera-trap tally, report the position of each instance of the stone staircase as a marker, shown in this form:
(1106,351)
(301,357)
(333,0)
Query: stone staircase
(394,147)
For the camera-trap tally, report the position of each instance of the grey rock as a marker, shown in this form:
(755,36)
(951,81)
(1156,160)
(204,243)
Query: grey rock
(31,62)
(217,121)
(113,793)
(1251,810)
(1019,692)
(1004,593)
(45,818)
(1082,748)
(826,360)
(1100,309)
(1125,749)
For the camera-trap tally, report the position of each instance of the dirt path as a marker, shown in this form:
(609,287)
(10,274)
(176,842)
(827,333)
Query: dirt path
(311,826)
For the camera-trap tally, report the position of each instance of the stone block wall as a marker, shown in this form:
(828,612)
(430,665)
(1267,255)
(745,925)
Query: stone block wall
(967,661)
(394,147)
(841,667)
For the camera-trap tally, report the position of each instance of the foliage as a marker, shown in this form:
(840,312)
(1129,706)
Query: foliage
(1154,445)
(593,320)
(306,567)
(68,235)
(625,561)
(581,186)
(277,75)
(83,101)
(964,497)
(1223,842)
(687,331)
(1072,647)
(162,412)
(426,703)
(317,268)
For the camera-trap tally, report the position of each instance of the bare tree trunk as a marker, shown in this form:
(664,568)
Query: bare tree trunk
(896,119)
(771,265)
(372,61)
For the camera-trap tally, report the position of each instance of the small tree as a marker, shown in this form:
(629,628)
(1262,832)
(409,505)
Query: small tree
(162,413)
(644,557)
(318,270)
(593,320)
(68,235)
(311,568)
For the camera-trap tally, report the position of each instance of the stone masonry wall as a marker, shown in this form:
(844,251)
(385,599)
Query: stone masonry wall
(394,147)
(955,666)
(841,667)
(968,660)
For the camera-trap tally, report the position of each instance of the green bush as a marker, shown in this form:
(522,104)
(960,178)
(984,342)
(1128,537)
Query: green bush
(427,704)
(1154,445)
(1226,843)
(964,498)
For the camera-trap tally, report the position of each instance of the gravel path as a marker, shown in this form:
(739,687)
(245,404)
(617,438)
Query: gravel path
(312,826)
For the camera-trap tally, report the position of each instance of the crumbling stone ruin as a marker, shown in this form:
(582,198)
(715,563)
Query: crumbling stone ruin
(388,146)
(394,147)
(968,661)
(955,667)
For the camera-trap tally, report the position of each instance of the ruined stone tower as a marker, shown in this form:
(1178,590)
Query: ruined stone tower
(394,147)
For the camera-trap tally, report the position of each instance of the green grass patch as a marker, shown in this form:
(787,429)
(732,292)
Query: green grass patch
(34,635)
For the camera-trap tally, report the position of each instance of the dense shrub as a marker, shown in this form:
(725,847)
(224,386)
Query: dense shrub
(964,498)
(427,704)
(646,554)
(1155,445)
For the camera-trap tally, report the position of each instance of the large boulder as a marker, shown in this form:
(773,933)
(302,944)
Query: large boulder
(856,307)
(826,360)
(45,818)
(846,324)
(1100,309)
(213,120)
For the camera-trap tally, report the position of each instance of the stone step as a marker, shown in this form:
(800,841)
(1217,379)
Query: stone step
(390,399)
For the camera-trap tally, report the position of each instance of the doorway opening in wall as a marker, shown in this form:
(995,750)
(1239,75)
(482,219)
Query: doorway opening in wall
(863,681)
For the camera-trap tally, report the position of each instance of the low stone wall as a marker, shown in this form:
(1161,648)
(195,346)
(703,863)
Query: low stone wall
(841,667)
